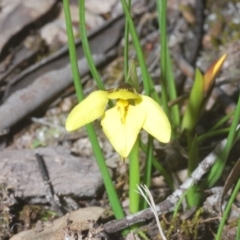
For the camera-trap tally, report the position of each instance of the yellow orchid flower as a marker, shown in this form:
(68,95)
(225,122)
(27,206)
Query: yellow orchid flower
(122,123)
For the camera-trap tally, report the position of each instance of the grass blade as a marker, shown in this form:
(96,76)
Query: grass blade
(86,48)
(218,167)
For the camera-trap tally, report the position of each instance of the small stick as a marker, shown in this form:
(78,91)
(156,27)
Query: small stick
(48,185)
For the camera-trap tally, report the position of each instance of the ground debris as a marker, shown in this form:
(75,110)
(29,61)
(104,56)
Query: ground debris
(69,175)
(67,227)
(6,201)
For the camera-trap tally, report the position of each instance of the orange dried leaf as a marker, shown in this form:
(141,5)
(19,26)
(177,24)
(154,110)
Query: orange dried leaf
(211,73)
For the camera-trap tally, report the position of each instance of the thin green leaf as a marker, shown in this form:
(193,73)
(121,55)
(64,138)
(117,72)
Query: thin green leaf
(233,176)
(209,134)
(219,165)
(193,196)
(191,115)
(222,121)
(175,114)
(178,205)
(227,210)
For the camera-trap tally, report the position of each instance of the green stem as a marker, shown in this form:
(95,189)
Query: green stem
(126,42)
(134,178)
(162,6)
(138,48)
(148,169)
(111,192)
(238,229)
(168,86)
(72,52)
(86,48)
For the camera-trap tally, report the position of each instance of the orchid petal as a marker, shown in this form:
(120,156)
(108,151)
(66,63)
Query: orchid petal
(91,108)
(122,135)
(156,123)
(123,94)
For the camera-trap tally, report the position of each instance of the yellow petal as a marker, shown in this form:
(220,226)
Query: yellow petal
(122,135)
(91,108)
(156,122)
(123,94)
